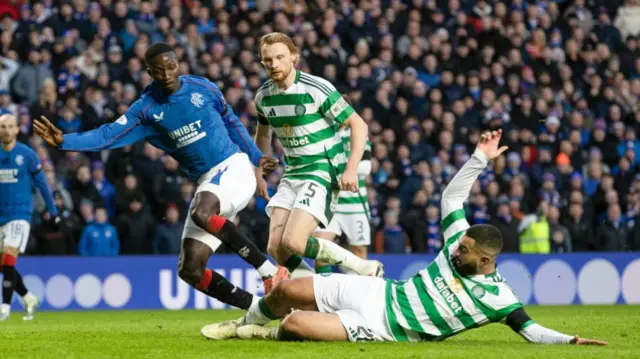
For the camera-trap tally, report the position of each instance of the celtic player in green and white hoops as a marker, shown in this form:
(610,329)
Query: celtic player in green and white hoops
(351,212)
(460,290)
(306,113)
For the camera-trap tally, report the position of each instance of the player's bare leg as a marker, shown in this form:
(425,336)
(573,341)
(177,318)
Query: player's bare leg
(305,325)
(294,263)
(12,281)
(205,214)
(297,240)
(322,267)
(301,325)
(359,251)
(287,295)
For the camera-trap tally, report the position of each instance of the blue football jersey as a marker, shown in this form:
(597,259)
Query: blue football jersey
(20,169)
(194,125)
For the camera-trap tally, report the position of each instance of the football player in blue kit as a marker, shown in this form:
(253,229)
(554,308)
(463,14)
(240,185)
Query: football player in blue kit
(20,169)
(189,119)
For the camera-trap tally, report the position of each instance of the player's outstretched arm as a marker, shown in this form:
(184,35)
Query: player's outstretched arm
(120,133)
(459,188)
(533,332)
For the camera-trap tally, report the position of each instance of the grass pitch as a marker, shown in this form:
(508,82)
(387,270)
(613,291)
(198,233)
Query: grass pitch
(176,334)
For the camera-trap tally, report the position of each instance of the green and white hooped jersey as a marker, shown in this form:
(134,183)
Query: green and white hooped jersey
(306,119)
(350,202)
(438,302)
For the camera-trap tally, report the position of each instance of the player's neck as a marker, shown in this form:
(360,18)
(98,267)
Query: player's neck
(288,81)
(171,90)
(488,270)
(8,147)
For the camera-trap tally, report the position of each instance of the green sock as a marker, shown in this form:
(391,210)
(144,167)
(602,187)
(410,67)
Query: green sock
(265,310)
(312,249)
(293,262)
(324,269)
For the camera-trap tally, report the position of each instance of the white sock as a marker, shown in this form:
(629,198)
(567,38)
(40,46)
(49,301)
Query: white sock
(302,271)
(255,315)
(333,254)
(267,269)
(5,308)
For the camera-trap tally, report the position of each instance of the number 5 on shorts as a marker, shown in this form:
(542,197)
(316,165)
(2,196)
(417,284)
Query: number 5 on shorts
(311,192)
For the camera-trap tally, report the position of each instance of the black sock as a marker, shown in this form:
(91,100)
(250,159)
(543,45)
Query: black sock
(8,283)
(20,288)
(217,286)
(238,243)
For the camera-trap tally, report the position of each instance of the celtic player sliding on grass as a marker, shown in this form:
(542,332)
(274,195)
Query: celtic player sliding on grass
(460,290)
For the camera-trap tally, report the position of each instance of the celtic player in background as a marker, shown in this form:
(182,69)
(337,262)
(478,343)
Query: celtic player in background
(306,113)
(352,211)
(460,290)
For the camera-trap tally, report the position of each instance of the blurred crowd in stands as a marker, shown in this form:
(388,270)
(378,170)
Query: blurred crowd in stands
(560,77)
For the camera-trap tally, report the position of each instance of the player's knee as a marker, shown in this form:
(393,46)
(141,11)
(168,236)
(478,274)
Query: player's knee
(293,243)
(285,289)
(206,205)
(190,273)
(292,324)
(200,216)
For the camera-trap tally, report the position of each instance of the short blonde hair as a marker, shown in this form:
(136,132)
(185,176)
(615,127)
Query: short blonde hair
(278,37)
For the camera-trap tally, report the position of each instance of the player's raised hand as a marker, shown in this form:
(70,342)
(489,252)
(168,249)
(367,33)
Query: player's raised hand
(582,341)
(268,164)
(489,144)
(48,131)
(349,181)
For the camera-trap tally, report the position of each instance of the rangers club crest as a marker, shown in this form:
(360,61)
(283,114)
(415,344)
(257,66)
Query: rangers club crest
(19,160)
(196,100)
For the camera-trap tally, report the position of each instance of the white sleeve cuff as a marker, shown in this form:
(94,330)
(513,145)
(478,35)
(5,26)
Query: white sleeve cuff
(481,156)
(538,334)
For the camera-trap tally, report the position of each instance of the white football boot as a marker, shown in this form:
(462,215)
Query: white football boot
(31,303)
(222,330)
(255,331)
(5,310)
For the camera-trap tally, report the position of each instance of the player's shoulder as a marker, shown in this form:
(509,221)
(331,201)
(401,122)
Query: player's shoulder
(315,84)
(200,89)
(504,290)
(25,154)
(264,89)
(24,149)
(199,81)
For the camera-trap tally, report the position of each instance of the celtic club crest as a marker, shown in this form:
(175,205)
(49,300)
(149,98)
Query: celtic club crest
(300,110)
